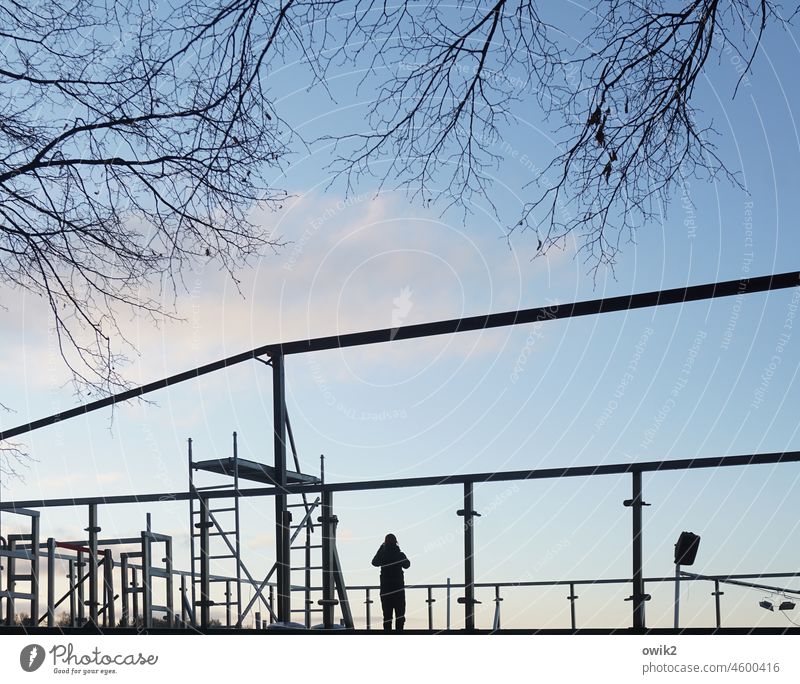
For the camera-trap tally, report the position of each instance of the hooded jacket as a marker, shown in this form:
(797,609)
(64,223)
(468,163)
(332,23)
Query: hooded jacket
(391,560)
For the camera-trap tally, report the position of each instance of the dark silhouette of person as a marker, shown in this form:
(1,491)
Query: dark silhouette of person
(391,560)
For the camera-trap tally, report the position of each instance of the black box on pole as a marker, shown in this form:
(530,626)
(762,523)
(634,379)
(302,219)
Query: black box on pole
(686,548)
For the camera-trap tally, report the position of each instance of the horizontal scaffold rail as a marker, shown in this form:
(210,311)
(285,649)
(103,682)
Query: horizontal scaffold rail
(539,314)
(430,481)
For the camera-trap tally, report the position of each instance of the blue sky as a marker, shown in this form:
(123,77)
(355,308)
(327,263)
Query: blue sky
(583,391)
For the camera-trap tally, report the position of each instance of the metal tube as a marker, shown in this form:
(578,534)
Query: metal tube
(678,295)
(368,603)
(430,601)
(717,594)
(192,534)
(205,586)
(71,580)
(448,604)
(170,582)
(677,595)
(51,581)
(469,560)
(638,574)
(109,614)
(35,564)
(282,530)
(80,564)
(126,608)
(328,600)
(93,529)
(237,536)
(135,585)
(184,611)
(572,598)
(147,581)
(433,481)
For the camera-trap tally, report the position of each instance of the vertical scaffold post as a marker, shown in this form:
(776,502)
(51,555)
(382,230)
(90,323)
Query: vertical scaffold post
(109,614)
(326,520)
(126,594)
(271,604)
(184,604)
(638,598)
(192,550)
(147,581)
(170,582)
(282,522)
(93,531)
(237,535)
(80,564)
(35,567)
(135,592)
(71,580)
(468,599)
(51,581)
(205,584)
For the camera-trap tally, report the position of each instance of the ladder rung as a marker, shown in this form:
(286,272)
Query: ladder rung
(222,579)
(308,567)
(21,578)
(303,610)
(220,534)
(221,510)
(227,555)
(310,546)
(209,487)
(300,505)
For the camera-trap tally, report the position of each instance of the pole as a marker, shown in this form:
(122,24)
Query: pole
(51,581)
(93,530)
(677,594)
(638,573)
(717,594)
(469,560)
(282,531)
(328,601)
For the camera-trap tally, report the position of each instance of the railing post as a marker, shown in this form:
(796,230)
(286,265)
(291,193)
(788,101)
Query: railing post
(448,604)
(717,593)
(497,600)
(369,603)
(572,598)
(430,601)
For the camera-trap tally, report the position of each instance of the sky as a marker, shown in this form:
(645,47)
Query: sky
(702,379)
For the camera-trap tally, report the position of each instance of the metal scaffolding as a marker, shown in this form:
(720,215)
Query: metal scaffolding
(91,564)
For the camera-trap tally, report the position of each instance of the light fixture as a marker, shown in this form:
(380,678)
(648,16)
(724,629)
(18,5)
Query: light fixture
(786,605)
(766,605)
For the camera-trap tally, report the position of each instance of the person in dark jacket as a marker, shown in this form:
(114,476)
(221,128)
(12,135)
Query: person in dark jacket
(391,560)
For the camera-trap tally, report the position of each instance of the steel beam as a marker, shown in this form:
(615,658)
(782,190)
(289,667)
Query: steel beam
(486,321)
(432,481)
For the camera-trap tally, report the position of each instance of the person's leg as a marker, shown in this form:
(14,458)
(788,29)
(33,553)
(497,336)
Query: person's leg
(400,610)
(386,607)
